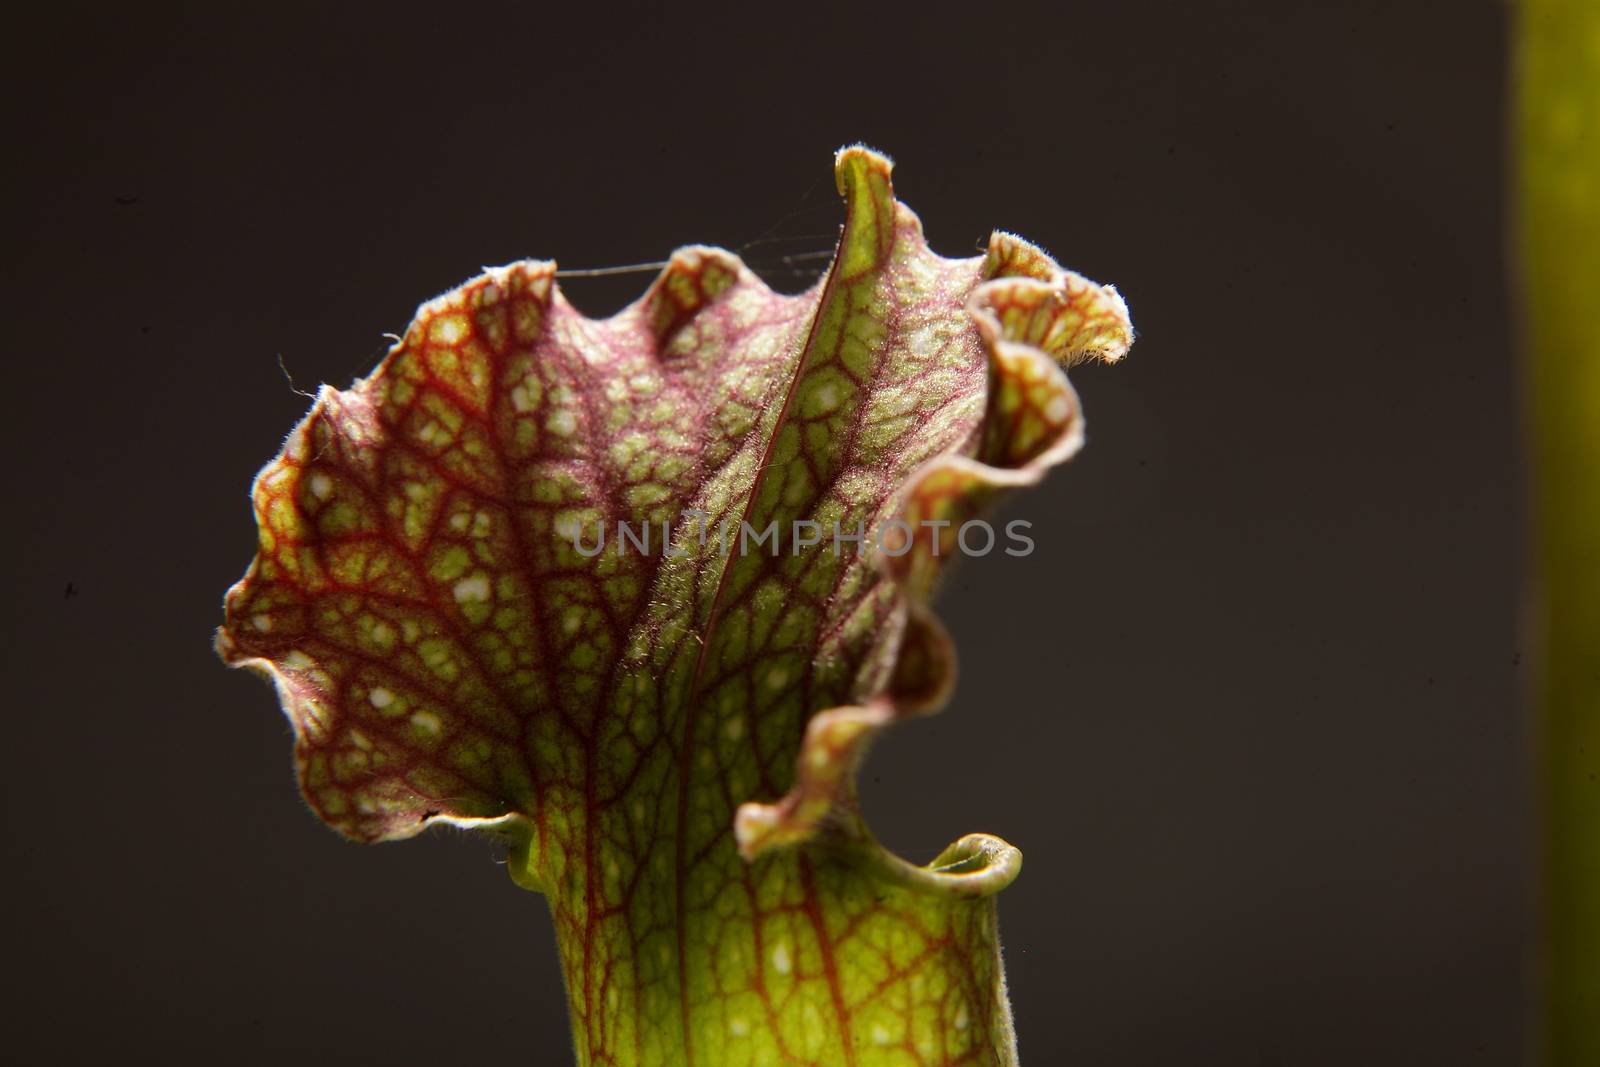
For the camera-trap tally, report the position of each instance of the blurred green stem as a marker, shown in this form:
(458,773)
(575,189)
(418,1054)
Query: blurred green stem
(1558,132)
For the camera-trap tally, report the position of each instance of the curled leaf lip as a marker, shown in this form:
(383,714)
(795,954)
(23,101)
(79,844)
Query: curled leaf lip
(975,865)
(1033,319)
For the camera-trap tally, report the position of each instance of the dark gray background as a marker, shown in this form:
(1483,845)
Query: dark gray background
(1251,711)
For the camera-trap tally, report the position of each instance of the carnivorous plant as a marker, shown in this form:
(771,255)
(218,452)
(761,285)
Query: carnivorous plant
(635,594)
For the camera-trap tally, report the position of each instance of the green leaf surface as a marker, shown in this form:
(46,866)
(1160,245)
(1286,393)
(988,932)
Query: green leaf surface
(666,728)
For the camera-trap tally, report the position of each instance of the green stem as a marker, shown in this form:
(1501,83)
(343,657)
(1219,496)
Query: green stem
(1559,151)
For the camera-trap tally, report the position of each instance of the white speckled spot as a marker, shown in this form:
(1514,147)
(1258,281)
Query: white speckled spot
(738,1027)
(321,486)
(880,1034)
(780,959)
(426,720)
(1058,409)
(474,589)
(448,329)
(261,621)
(563,423)
(380,697)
